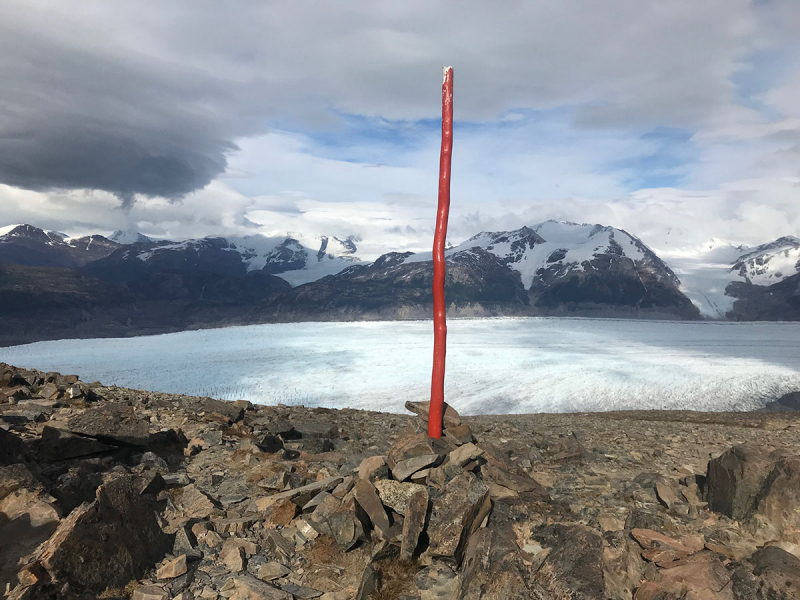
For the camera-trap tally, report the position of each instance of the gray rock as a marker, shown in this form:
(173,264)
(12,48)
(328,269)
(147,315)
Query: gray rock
(414,522)
(108,542)
(455,514)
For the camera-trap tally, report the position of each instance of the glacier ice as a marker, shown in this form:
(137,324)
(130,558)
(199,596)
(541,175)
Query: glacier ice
(504,365)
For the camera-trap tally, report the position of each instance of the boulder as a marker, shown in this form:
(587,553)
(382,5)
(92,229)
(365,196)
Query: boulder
(460,508)
(747,484)
(114,424)
(56,445)
(228,409)
(735,479)
(108,542)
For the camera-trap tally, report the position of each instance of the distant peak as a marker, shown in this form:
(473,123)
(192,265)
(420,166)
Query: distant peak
(131,236)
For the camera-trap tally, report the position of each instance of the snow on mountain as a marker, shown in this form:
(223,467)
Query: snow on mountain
(552,243)
(9,229)
(770,263)
(128,237)
(293,259)
(706,272)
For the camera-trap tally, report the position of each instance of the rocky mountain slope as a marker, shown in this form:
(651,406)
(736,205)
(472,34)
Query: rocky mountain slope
(127,494)
(140,285)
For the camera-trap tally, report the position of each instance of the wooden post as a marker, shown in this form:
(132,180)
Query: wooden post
(436,413)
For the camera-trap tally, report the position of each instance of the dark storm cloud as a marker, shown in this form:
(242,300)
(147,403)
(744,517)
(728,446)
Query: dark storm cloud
(71,118)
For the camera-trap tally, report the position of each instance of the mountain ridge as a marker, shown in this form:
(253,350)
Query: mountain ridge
(549,268)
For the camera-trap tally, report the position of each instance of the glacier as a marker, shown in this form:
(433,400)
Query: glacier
(501,365)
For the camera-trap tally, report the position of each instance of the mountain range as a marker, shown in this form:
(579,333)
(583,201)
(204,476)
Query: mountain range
(53,285)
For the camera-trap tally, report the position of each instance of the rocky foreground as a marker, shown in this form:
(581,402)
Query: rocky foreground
(117,493)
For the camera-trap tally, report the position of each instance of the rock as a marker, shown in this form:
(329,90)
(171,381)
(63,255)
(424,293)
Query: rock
(57,445)
(233,558)
(174,568)
(113,424)
(193,503)
(250,588)
(464,454)
(775,575)
(278,544)
(300,496)
(414,523)
(460,434)
(270,443)
(706,579)
(150,592)
(665,494)
(228,409)
(523,485)
(450,418)
(48,391)
(11,448)
(282,512)
(573,567)
(459,510)
(406,468)
(396,494)
(415,444)
(173,480)
(272,570)
(438,582)
(735,479)
(370,583)
(569,449)
(367,497)
(749,485)
(14,477)
(373,467)
(108,542)
(653,540)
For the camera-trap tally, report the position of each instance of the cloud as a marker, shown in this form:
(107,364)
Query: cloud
(199,119)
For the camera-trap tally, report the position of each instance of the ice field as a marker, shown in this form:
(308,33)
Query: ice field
(493,365)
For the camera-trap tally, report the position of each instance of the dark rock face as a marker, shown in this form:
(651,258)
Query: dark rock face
(33,247)
(392,289)
(108,542)
(735,480)
(748,484)
(777,302)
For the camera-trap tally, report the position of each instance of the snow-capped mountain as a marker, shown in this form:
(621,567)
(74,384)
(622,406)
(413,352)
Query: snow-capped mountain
(128,237)
(287,257)
(548,267)
(31,246)
(771,263)
(545,268)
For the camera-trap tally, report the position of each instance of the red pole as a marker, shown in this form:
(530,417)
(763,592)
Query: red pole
(439,326)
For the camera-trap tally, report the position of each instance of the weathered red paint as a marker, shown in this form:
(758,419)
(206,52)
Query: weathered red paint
(439,238)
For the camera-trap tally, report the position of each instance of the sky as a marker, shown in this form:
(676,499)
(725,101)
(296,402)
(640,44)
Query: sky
(677,121)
